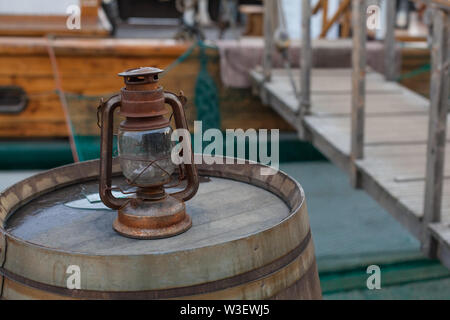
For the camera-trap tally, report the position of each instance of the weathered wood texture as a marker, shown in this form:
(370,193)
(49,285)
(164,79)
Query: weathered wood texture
(89,68)
(255,21)
(358,84)
(437,127)
(415,73)
(393,170)
(269,27)
(389,41)
(250,240)
(305,58)
(358,78)
(86,66)
(343,7)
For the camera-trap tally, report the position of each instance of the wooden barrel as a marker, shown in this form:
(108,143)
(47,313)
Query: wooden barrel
(250,239)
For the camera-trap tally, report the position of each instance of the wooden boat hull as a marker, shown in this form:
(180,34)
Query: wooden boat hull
(89,67)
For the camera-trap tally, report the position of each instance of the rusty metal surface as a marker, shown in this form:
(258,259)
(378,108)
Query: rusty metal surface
(106,138)
(142,103)
(153,219)
(32,262)
(176,102)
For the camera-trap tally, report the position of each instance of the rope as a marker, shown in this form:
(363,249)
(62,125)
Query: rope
(62,98)
(206,93)
(423,69)
(179,60)
(282,42)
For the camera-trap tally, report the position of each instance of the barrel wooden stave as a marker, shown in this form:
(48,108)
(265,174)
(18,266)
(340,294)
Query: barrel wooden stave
(230,269)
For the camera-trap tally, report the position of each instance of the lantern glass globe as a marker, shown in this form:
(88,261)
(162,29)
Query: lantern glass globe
(145,156)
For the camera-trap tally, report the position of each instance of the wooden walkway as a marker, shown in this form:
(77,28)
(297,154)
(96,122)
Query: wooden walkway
(393,168)
(392,142)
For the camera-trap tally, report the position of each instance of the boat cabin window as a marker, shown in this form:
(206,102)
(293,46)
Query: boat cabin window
(13,99)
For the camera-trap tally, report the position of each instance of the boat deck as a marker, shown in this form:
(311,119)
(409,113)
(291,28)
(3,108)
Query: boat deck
(396,121)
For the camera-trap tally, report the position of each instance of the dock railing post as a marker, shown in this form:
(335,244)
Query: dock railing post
(437,127)
(305,59)
(358,86)
(268,39)
(304,105)
(390,73)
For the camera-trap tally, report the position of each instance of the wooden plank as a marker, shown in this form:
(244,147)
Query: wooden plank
(94,47)
(268,38)
(305,59)
(380,130)
(337,81)
(437,128)
(358,81)
(389,41)
(346,23)
(342,7)
(442,233)
(400,171)
(389,104)
(334,152)
(75,65)
(32,25)
(285,105)
(388,201)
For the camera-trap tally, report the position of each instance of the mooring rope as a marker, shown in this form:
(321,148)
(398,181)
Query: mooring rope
(62,98)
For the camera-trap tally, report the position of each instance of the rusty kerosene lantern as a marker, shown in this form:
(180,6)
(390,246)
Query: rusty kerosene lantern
(145,146)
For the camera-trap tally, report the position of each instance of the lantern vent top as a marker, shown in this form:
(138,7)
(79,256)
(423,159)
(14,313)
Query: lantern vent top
(141,76)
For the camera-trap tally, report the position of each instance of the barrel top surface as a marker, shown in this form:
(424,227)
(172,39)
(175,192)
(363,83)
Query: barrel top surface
(223,210)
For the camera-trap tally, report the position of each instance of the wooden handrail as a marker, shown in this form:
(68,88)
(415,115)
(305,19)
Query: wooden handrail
(439,92)
(305,59)
(269,28)
(358,86)
(389,42)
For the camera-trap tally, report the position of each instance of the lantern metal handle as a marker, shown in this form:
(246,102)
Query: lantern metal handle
(191,171)
(106,146)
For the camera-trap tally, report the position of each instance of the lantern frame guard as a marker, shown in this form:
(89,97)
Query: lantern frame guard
(152,213)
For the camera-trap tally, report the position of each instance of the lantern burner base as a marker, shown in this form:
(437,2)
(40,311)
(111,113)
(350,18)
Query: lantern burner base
(149,219)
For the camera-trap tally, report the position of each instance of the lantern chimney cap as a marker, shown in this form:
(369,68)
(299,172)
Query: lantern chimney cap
(143,78)
(142,71)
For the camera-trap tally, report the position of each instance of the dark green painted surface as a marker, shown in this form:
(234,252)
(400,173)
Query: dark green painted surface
(34,154)
(434,289)
(351,232)
(30,154)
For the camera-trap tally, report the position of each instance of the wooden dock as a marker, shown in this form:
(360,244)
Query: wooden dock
(392,142)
